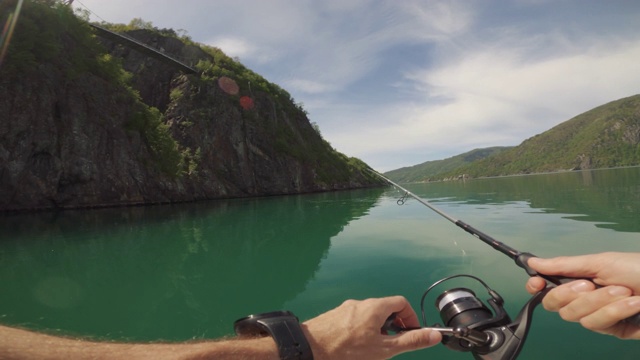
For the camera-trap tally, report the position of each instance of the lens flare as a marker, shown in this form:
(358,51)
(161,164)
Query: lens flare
(228,85)
(7,31)
(246,103)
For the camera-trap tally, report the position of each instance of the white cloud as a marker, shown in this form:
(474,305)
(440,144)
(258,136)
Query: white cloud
(475,73)
(494,97)
(441,18)
(308,86)
(233,46)
(566,84)
(341,43)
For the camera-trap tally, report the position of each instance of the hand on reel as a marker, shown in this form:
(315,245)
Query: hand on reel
(469,325)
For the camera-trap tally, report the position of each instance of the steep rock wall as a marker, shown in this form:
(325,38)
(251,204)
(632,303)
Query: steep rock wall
(67,139)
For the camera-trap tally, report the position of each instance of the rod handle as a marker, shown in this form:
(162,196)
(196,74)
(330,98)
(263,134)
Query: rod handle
(522,261)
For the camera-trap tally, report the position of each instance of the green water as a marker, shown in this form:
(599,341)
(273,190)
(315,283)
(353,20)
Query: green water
(188,271)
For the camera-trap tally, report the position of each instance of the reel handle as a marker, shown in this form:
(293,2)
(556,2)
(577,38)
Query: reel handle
(522,260)
(478,338)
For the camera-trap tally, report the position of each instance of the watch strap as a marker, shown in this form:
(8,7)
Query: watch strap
(283,327)
(289,338)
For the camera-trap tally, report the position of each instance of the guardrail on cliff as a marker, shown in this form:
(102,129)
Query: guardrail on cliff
(143,48)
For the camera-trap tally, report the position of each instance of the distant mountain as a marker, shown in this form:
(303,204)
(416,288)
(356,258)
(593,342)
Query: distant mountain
(606,136)
(433,169)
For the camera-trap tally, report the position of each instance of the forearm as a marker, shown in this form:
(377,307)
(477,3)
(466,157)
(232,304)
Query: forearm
(22,344)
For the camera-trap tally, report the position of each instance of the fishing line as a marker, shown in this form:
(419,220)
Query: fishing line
(512,253)
(403,199)
(92,13)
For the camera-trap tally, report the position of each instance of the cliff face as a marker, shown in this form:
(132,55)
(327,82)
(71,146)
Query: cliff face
(72,136)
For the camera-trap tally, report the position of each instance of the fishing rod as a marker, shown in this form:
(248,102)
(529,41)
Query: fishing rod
(521,258)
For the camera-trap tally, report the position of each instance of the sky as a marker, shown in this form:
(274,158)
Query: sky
(398,83)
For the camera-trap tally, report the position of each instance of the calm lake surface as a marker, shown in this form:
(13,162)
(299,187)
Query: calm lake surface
(188,271)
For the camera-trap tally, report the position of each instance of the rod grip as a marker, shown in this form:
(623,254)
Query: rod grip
(522,261)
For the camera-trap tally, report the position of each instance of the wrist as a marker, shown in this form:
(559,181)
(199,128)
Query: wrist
(319,352)
(283,328)
(258,348)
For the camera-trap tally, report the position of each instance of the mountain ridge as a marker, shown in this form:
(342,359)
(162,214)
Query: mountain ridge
(429,170)
(604,137)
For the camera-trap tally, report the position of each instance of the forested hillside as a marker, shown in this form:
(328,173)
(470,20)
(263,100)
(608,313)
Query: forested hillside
(604,137)
(434,169)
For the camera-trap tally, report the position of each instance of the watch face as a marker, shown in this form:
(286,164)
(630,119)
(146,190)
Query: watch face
(249,325)
(266,315)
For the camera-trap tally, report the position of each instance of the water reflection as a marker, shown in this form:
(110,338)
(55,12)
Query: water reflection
(178,272)
(529,213)
(608,198)
(167,272)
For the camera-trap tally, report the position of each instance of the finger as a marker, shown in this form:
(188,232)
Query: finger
(564,294)
(592,302)
(612,313)
(405,315)
(535,284)
(572,266)
(415,340)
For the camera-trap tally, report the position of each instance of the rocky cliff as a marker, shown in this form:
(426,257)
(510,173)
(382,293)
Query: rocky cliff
(78,131)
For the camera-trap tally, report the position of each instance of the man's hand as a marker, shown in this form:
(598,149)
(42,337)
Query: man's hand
(350,331)
(353,330)
(598,309)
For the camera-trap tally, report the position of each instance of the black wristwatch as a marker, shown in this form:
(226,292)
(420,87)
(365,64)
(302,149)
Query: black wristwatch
(283,327)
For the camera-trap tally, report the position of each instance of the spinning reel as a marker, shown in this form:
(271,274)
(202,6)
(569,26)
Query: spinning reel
(470,326)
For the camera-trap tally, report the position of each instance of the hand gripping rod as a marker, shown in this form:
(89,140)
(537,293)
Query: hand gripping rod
(520,258)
